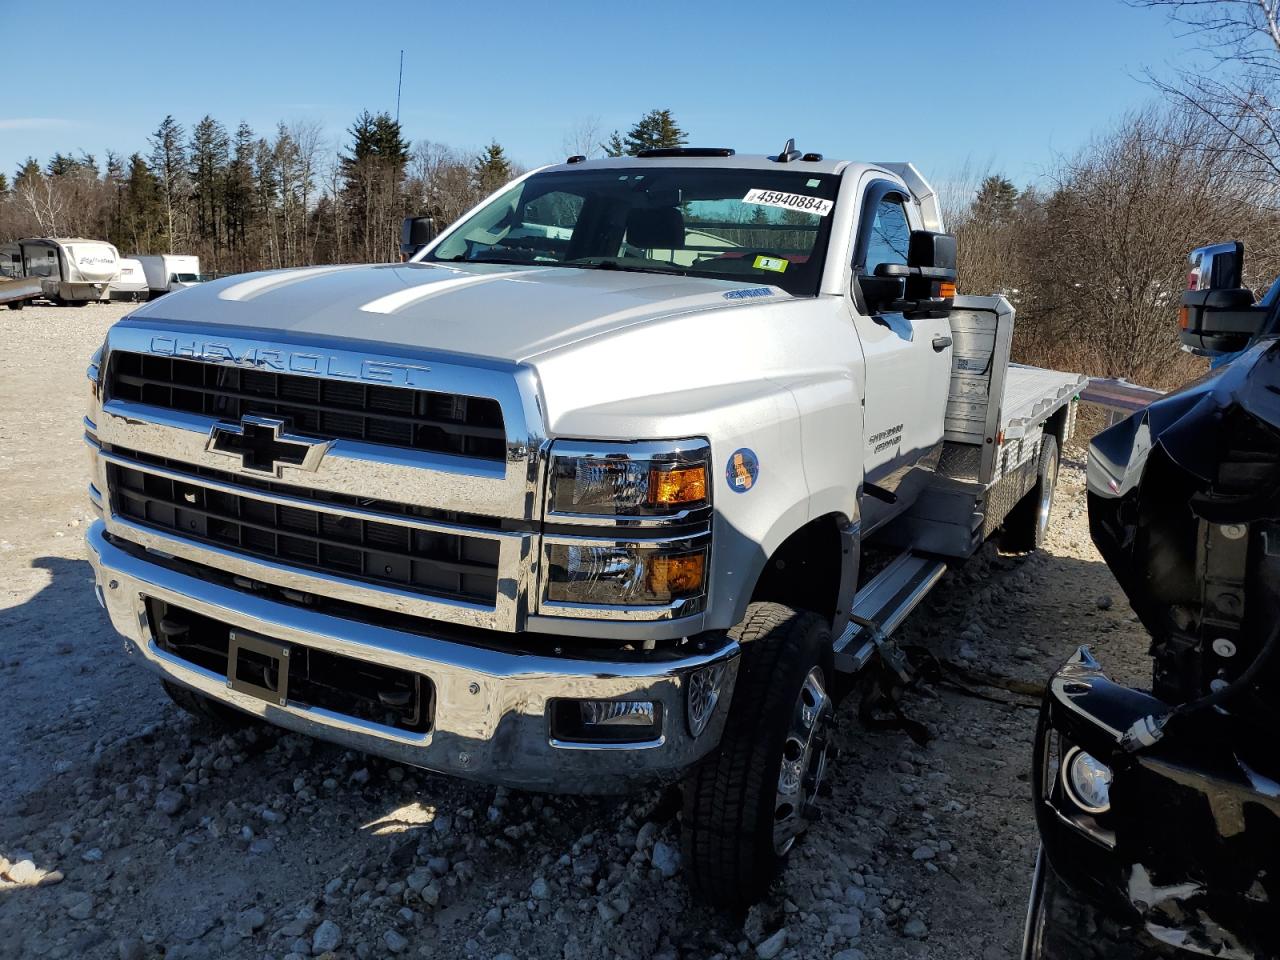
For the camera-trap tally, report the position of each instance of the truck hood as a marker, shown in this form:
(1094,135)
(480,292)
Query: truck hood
(500,312)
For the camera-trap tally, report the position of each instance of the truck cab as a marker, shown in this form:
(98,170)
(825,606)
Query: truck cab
(577,496)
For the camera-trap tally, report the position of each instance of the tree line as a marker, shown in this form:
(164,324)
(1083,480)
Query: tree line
(244,201)
(1093,257)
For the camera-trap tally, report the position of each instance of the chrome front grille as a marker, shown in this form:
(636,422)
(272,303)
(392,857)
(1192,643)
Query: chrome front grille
(331,409)
(422,500)
(433,562)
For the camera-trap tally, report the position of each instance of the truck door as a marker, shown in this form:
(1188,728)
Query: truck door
(908,362)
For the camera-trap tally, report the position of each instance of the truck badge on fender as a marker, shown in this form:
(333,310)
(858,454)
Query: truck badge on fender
(742,470)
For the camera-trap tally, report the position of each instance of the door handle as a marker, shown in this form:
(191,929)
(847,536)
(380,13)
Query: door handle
(941,343)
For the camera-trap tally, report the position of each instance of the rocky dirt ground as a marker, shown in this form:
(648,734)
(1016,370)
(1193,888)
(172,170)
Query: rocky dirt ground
(127,830)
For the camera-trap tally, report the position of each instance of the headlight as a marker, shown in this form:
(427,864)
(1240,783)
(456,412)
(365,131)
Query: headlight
(628,526)
(629,479)
(624,573)
(1088,781)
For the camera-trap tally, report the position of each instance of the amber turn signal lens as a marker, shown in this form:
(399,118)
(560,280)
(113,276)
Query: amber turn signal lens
(677,575)
(946,290)
(1184,318)
(681,485)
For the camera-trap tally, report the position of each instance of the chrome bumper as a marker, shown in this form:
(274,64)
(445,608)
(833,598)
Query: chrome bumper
(491,708)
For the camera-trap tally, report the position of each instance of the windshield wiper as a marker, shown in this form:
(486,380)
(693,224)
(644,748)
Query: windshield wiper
(600,263)
(460,258)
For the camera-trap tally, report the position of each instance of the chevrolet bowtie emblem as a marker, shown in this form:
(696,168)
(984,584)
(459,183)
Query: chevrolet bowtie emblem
(262,446)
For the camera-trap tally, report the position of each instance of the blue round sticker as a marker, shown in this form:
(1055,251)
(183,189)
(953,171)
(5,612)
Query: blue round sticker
(742,470)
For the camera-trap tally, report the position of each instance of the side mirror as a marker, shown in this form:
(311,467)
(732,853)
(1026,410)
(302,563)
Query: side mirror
(416,233)
(1214,320)
(1219,266)
(923,287)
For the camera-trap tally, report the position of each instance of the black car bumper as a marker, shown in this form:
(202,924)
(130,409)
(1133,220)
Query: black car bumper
(1186,854)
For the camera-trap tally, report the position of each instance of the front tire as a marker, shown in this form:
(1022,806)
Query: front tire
(748,802)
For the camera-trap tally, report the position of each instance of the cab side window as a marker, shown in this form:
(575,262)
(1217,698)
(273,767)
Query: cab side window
(890,234)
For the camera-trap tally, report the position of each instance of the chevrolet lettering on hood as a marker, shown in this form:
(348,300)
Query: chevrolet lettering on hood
(286,361)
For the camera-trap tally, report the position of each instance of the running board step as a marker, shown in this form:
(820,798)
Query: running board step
(887,601)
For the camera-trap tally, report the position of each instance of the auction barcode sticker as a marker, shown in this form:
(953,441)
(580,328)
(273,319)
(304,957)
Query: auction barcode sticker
(789,201)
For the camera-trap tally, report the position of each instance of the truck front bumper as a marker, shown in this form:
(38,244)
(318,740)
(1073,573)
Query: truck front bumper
(492,709)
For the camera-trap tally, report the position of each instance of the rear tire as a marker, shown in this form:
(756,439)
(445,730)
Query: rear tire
(14,305)
(1026,528)
(211,712)
(748,802)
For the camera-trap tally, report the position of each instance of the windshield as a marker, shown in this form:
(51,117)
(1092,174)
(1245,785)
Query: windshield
(762,226)
(187,277)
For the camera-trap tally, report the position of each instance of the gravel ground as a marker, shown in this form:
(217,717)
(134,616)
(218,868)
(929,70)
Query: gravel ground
(127,830)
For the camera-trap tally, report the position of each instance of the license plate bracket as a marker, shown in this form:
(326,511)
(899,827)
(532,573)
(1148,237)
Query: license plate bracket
(258,666)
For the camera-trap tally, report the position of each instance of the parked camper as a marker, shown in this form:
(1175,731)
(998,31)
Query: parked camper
(167,272)
(71,270)
(131,284)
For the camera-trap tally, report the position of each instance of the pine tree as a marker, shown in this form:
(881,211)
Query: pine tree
(615,146)
(143,213)
(372,175)
(375,138)
(995,202)
(209,154)
(169,164)
(60,164)
(237,195)
(29,172)
(4,186)
(491,170)
(657,128)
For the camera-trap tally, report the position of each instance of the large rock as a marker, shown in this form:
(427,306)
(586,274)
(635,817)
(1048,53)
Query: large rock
(666,858)
(326,938)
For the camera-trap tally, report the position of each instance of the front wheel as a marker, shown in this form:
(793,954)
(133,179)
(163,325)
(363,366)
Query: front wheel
(750,800)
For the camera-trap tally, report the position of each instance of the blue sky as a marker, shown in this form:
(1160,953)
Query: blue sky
(988,84)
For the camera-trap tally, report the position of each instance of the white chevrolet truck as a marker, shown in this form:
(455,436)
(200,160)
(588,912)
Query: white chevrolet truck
(587,493)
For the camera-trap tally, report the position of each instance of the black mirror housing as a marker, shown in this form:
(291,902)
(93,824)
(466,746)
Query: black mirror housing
(1219,266)
(933,253)
(1220,320)
(923,287)
(416,233)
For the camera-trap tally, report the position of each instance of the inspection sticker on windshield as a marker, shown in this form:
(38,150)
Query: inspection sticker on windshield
(789,201)
(776,264)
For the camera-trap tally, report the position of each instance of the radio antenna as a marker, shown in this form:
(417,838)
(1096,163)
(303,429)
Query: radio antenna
(399,84)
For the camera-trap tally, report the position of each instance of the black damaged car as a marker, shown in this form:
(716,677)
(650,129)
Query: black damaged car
(1159,812)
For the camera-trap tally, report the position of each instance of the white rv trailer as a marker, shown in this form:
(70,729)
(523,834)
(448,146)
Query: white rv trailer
(131,284)
(169,271)
(71,270)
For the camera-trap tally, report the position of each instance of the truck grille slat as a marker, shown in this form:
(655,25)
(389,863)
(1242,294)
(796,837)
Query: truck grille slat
(447,565)
(330,409)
